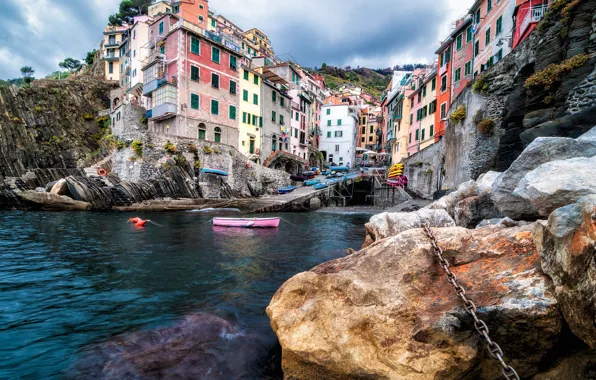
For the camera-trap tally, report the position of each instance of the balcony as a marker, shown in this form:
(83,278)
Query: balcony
(156,83)
(534,15)
(162,111)
(112,43)
(111,57)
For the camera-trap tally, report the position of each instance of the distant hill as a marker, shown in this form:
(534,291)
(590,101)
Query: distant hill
(371,81)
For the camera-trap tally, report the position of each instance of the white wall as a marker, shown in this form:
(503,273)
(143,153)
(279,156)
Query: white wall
(347,142)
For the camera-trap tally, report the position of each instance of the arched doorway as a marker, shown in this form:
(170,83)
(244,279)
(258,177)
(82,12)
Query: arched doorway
(217,134)
(274,143)
(202,131)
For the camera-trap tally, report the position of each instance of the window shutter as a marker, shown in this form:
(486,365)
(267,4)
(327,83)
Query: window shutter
(215,54)
(214,107)
(245,95)
(233,112)
(244,117)
(261,121)
(194,73)
(194,101)
(245,75)
(232,87)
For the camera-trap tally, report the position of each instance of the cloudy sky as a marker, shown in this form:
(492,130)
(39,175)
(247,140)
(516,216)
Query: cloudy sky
(371,33)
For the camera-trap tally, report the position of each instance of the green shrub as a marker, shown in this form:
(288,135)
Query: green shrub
(103,121)
(486,126)
(119,145)
(144,120)
(180,159)
(170,148)
(458,115)
(216,151)
(192,148)
(549,77)
(38,109)
(207,149)
(480,85)
(197,164)
(87,116)
(137,147)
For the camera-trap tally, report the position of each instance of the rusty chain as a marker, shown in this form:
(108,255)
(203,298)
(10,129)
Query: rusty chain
(493,348)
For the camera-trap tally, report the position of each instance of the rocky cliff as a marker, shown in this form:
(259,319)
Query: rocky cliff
(545,87)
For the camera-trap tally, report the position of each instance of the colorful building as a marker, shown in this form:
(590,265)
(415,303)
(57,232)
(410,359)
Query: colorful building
(443,87)
(493,24)
(463,55)
(257,43)
(113,37)
(276,113)
(419,108)
(192,82)
(367,130)
(137,52)
(429,106)
(526,16)
(338,142)
(157,8)
(249,142)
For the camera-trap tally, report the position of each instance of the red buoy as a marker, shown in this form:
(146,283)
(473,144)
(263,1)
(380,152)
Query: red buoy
(138,221)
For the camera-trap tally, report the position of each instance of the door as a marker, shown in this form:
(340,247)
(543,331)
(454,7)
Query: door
(252,145)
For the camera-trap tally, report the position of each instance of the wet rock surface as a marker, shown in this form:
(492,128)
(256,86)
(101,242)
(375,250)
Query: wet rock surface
(388,312)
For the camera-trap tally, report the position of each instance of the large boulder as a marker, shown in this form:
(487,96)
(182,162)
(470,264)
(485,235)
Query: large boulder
(485,181)
(567,247)
(558,183)
(51,202)
(473,210)
(388,312)
(578,366)
(449,201)
(60,188)
(387,224)
(540,151)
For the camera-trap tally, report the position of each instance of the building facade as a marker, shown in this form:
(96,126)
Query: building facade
(113,37)
(443,87)
(192,82)
(463,55)
(276,118)
(338,142)
(257,43)
(526,16)
(251,122)
(429,107)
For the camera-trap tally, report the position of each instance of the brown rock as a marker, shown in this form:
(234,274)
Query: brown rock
(60,188)
(52,202)
(388,312)
(567,246)
(580,366)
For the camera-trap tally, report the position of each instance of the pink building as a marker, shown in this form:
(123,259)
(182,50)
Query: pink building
(417,110)
(463,55)
(191,78)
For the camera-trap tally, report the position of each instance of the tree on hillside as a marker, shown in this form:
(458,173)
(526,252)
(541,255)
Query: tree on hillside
(90,58)
(70,64)
(27,73)
(323,66)
(129,9)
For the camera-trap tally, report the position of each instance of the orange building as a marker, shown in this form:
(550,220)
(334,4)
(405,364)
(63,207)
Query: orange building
(444,87)
(193,11)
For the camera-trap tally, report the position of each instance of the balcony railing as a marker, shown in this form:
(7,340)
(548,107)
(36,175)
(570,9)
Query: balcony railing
(535,14)
(163,111)
(112,43)
(110,57)
(156,83)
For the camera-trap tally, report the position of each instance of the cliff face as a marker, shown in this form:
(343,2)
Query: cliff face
(559,99)
(51,125)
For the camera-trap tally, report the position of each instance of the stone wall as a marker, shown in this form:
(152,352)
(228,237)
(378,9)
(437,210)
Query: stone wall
(425,170)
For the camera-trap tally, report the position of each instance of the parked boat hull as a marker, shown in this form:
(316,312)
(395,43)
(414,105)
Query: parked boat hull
(247,222)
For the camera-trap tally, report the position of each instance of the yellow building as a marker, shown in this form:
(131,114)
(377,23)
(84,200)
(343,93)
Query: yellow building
(427,128)
(158,8)
(251,123)
(399,114)
(111,51)
(256,43)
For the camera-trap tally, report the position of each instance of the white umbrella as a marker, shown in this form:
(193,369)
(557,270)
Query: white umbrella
(358,149)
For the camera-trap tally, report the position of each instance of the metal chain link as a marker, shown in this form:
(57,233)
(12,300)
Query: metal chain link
(481,327)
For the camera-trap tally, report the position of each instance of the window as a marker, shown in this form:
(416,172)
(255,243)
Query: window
(162,50)
(499,55)
(422,138)
(338,121)
(424,92)
(111,67)
(161,27)
(468,68)
(363,139)
(218,129)
(328,134)
(469,35)
(417,134)
(202,133)
(328,111)
(411,118)
(213,23)
(296,133)
(274,96)
(214,107)
(458,75)
(214,80)
(337,148)
(194,73)
(194,101)
(297,116)
(446,56)
(195,45)
(233,87)
(419,97)
(487,37)
(443,110)
(201,18)
(339,133)
(244,115)
(434,84)
(410,140)
(281,119)
(282,101)
(372,129)
(489,6)
(273,116)
(370,138)
(499,25)
(255,98)
(233,62)
(444,83)
(215,54)
(476,48)
(432,130)
(245,75)
(245,95)
(232,113)
(459,41)
(363,130)
(477,20)
(328,123)
(256,79)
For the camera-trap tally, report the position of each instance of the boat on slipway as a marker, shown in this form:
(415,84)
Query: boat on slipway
(214,171)
(247,222)
(286,190)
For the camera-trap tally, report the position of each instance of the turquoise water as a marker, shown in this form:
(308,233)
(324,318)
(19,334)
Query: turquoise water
(72,280)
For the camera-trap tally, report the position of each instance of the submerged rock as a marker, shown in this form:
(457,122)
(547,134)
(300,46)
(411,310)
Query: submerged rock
(567,246)
(558,183)
(201,346)
(384,225)
(388,312)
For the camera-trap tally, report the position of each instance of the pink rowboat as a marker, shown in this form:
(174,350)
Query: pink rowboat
(247,222)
